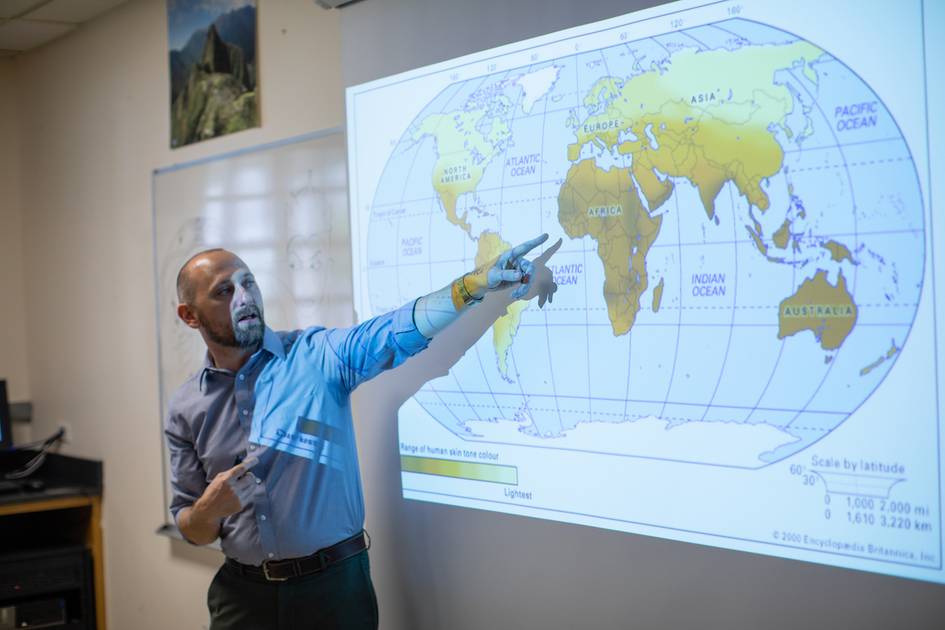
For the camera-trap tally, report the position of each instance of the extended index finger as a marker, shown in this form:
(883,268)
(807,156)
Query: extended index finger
(527,246)
(244,466)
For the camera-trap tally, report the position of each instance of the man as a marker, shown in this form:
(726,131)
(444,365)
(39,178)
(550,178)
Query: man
(262,446)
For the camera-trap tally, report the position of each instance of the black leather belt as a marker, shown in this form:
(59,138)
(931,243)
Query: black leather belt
(282,570)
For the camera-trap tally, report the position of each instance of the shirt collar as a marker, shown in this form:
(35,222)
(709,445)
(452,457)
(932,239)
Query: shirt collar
(271,343)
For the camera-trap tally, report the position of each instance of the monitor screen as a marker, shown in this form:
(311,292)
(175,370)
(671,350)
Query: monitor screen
(6,433)
(743,347)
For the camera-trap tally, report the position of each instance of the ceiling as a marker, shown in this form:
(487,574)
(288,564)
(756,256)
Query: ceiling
(28,24)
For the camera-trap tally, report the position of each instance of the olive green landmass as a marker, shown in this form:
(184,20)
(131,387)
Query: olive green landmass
(657,296)
(826,310)
(605,205)
(782,235)
(464,150)
(838,251)
(893,350)
(706,116)
(489,247)
(655,191)
(756,237)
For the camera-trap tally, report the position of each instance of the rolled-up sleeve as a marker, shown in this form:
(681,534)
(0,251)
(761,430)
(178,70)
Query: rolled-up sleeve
(188,479)
(378,344)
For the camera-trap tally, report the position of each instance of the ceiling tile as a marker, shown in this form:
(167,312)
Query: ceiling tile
(75,11)
(24,34)
(9,8)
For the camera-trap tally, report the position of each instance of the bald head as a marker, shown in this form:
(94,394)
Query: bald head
(218,295)
(205,262)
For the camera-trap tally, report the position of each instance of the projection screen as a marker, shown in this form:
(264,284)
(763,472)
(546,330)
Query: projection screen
(742,350)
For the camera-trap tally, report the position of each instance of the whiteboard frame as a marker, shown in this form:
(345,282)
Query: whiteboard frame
(168,527)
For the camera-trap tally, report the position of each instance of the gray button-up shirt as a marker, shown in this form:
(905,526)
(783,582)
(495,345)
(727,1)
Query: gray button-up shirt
(289,406)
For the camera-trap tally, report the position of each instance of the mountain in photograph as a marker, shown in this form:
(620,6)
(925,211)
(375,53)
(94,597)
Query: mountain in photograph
(213,79)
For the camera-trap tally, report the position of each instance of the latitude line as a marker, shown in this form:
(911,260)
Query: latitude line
(646,401)
(696,324)
(582,250)
(632,418)
(810,149)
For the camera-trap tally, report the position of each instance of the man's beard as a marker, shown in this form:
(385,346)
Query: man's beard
(235,336)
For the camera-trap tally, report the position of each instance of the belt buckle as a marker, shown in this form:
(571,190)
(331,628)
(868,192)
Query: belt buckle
(265,568)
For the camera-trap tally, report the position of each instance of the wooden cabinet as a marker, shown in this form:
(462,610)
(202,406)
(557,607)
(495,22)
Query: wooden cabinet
(51,542)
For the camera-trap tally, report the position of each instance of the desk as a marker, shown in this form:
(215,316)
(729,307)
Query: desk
(66,513)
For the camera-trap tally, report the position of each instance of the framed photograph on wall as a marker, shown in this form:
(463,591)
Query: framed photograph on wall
(213,69)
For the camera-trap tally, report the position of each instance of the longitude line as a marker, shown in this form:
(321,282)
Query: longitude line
(475,347)
(626,402)
(541,166)
(672,372)
(731,328)
(429,387)
(587,336)
(510,352)
(856,239)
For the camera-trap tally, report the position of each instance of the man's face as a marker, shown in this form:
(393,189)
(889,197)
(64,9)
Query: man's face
(227,301)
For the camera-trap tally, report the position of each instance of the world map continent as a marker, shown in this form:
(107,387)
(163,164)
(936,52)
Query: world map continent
(704,116)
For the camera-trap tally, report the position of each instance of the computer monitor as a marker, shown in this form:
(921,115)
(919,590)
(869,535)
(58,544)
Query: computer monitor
(6,433)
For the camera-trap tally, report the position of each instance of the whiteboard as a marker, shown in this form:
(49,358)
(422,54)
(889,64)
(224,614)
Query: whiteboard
(281,207)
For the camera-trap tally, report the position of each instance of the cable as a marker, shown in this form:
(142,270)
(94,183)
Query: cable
(33,464)
(25,447)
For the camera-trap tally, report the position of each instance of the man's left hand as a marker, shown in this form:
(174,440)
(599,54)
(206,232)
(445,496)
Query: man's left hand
(511,268)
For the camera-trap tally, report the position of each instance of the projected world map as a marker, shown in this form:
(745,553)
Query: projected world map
(742,255)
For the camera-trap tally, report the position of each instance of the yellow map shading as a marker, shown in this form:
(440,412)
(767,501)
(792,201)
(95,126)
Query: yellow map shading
(838,251)
(826,310)
(657,296)
(605,206)
(893,351)
(690,123)
(490,247)
(782,235)
(463,151)
(679,120)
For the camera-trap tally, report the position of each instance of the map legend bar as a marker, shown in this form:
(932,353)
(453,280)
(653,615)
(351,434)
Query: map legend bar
(474,471)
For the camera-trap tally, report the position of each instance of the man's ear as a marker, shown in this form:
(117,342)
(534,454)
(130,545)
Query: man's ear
(188,315)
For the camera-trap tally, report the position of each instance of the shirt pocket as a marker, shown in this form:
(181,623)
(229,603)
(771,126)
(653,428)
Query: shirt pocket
(302,422)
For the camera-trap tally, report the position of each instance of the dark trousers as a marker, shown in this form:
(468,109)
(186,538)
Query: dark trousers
(338,597)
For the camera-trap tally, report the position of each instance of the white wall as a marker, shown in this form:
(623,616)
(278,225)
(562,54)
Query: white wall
(384,37)
(13,357)
(93,121)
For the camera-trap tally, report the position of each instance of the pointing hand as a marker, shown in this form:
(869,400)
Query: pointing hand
(510,268)
(229,492)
